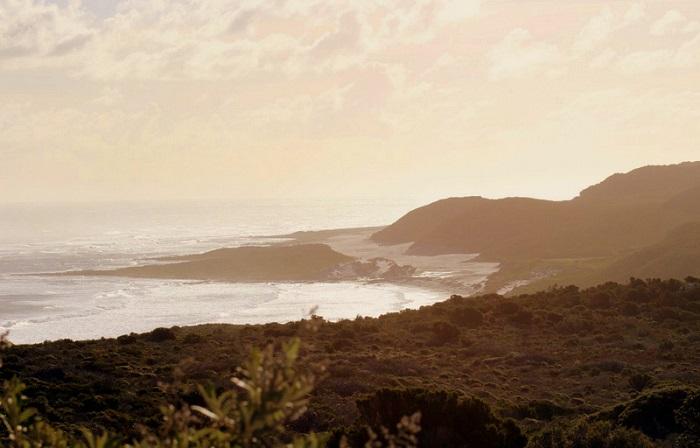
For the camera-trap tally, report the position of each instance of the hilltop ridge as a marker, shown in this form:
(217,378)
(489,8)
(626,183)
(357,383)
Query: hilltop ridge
(624,212)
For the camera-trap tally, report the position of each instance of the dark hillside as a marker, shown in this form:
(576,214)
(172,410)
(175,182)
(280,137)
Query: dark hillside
(623,213)
(676,256)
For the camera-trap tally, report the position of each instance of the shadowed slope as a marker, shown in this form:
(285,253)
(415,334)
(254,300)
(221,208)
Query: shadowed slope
(677,256)
(626,211)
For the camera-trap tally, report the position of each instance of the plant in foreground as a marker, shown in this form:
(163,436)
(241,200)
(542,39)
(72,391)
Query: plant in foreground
(269,391)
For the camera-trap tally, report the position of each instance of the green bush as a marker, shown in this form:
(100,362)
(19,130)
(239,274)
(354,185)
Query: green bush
(447,419)
(640,381)
(652,412)
(444,333)
(522,318)
(506,307)
(193,338)
(161,335)
(538,410)
(467,317)
(599,300)
(589,435)
(688,417)
(268,393)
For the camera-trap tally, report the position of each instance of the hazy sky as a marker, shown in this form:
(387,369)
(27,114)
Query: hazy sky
(143,99)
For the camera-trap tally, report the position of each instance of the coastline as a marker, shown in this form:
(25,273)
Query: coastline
(82,301)
(450,274)
(356,257)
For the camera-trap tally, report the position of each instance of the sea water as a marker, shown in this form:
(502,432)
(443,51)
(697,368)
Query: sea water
(37,239)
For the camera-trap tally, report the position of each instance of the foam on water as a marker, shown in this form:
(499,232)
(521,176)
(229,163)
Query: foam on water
(87,308)
(39,239)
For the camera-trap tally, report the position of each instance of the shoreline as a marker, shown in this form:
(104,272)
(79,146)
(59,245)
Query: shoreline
(117,309)
(452,274)
(446,274)
(435,279)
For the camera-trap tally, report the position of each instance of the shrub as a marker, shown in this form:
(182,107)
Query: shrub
(575,325)
(268,393)
(521,318)
(467,317)
(666,346)
(630,309)
(590,435)
(653,412)
(688,417)
(192,338)
(599,300)
(161,334)
(127,339)
(444,333)
(506,307)
(447,419)
(640,381)
(538,409)
(665,313)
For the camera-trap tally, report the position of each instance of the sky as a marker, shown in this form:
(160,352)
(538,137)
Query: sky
(156,99)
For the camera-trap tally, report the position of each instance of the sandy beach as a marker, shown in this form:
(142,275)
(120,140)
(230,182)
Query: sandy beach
(452,274)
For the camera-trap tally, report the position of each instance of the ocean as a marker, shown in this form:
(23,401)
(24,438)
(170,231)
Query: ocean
(41,238)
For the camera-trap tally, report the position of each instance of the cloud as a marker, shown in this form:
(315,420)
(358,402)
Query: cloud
(602,26)
(685,56)
(673,22)
(30,31)
(604,59)
(520,55)
(668,23)
(216,39)
(109,97)
(345,37)
(459,10)
(71,44)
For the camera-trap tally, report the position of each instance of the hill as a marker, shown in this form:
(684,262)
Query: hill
(678,255)
(625,212)
(303,262)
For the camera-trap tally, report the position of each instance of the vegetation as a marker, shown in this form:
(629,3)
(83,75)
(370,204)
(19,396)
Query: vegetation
(562,367)
(268,393)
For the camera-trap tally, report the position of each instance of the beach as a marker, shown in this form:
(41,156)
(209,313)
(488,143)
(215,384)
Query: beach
(36,307)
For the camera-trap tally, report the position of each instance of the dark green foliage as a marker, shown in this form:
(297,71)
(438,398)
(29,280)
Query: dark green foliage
(127,339)
(192,338)
(599,300)
(589,435)
(537,409)
(629,309)
(267,394)
(688,417)
(444,333)
(447,419)
(467,317)
(506,307)
(161,335)
(640,381)
(522,318)
(652,412)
